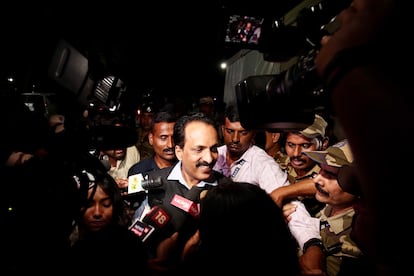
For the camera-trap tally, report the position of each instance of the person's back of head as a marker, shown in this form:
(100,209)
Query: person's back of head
(242,229)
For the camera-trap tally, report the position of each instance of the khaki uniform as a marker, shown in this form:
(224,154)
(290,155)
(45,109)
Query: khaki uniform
(335,231)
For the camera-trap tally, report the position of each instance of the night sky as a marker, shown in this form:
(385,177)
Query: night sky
(173,47)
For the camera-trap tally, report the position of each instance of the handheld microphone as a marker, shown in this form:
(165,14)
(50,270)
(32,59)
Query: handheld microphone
(179,215)
(158,219)
(151,183)
(137,183)
(186,205)
(137,188)
(154,228)
(188,212)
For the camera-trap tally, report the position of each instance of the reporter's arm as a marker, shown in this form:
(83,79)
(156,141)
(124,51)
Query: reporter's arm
(312,262)
(305,187)
(302,226)
(306,231)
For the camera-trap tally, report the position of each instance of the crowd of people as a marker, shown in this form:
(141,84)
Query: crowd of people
(216,198)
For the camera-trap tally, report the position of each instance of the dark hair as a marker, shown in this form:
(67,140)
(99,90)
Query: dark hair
(91,178)
(243,229)
(183,121)
(231,113)
(260,139)
(163,117)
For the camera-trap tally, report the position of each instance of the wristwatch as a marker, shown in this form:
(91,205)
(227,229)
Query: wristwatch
(313,242)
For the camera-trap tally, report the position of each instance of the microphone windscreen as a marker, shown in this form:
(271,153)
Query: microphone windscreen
(151,183)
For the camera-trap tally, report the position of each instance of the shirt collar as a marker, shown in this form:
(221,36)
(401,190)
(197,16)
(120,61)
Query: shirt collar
(177,175)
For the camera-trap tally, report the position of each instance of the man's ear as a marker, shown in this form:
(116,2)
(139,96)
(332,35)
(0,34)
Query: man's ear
(178,152)
(275,137)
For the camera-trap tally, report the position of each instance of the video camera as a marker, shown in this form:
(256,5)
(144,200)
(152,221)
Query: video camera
(282,102)
(289,100)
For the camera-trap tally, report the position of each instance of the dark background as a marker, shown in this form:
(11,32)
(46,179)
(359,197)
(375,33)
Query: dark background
(174,47)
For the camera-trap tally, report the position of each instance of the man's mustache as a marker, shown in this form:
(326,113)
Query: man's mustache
(206,164)
(170,150)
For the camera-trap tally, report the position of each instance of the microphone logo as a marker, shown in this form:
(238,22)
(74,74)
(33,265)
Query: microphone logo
(159,216)
(137,183)
(142,229)
(134,183)
(186,205)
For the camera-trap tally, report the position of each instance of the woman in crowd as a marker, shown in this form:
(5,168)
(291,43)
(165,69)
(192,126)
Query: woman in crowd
(101,240)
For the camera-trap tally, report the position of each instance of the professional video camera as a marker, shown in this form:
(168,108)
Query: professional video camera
(284,101)
(289,100)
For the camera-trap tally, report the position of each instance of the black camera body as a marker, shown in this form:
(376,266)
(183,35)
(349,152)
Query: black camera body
(287,101)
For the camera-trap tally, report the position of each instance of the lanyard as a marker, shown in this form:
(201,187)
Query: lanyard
(237,169)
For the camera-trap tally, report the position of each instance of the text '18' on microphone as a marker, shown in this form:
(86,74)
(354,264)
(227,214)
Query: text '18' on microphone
(154,227)
(181,215)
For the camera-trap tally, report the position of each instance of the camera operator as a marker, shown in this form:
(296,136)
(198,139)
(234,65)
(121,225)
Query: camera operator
(359,63)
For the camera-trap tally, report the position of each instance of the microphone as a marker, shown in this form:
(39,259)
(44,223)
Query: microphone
(137,188)
(181,215)
(137,183)
(151,183)
(187,210)
(154,228)
(156,219)
(186,205)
